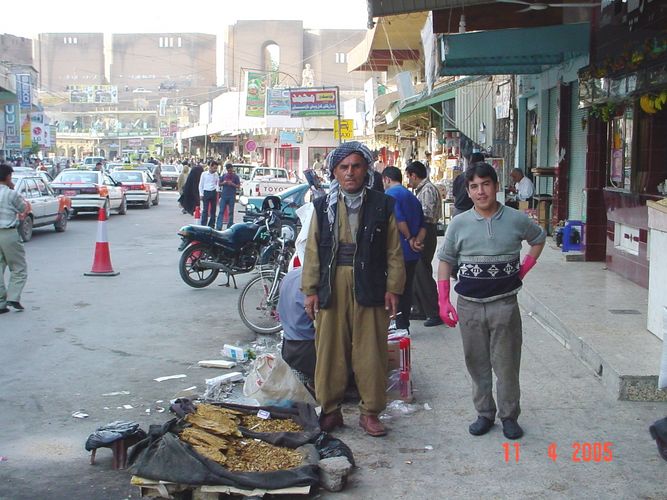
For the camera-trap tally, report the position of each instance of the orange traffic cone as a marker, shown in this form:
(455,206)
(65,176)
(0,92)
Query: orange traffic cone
(197,215)
(102,259)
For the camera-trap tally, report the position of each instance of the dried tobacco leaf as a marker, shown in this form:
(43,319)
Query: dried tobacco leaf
(257,424)
(250,455)
(199,437)
(223,426)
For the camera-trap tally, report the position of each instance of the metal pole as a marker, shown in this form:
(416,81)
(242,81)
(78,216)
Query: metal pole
(340,136)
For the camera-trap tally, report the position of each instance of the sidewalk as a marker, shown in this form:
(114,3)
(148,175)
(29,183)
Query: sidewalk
(601,318)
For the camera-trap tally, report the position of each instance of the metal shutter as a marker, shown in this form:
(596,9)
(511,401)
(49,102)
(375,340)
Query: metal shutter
(552,128)
(576,208)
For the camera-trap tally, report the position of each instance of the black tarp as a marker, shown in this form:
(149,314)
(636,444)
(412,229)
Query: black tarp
(163,456)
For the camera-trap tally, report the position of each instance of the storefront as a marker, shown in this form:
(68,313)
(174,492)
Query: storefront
(625,92)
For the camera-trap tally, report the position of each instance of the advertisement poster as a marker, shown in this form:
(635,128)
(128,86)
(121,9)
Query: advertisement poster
(93,94)
(26,131)
(12,130)
(24,90)
(289,139)
(278,102)
(39,131)
(308,102)
(256,94)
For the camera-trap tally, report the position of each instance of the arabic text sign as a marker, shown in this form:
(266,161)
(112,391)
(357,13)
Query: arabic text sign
(305,102)
(346,128)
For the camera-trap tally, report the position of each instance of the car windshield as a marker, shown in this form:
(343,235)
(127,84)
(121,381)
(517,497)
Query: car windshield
(128,176)
(76,177)
(168,168)
(243,171)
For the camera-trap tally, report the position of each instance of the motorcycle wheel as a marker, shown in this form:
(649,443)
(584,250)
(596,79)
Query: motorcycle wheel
(189,269)
(254,308)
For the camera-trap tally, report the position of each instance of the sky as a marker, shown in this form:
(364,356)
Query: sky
(151,16)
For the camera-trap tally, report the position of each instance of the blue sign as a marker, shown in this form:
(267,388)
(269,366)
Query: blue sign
(278,102)
(12,131)
(24,90)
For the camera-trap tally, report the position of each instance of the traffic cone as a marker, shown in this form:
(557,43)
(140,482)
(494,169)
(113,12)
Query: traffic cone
(102,258)
(197,215)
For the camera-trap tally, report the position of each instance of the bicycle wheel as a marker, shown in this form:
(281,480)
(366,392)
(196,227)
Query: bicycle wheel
(257,310)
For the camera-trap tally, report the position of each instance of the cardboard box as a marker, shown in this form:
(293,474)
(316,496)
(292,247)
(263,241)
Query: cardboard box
(523,205)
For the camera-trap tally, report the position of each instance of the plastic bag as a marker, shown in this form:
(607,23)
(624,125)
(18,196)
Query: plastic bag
(271,382)
(113,431)
(329,447)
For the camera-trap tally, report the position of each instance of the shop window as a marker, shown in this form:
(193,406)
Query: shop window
(620,149)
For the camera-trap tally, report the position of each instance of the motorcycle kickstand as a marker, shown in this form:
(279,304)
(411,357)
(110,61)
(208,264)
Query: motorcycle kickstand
(233,279)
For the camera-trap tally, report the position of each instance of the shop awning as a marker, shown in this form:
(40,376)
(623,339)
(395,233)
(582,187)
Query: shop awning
(392,41)
(511,51)
(382,8)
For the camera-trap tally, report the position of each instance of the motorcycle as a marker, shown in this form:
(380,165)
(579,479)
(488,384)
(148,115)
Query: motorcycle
(237,250)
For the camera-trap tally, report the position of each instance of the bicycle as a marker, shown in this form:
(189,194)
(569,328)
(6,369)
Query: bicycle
(258,301)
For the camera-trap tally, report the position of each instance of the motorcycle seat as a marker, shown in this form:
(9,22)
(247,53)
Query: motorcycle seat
(237,235)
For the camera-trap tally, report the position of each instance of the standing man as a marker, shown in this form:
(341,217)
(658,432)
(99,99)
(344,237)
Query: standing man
(318,166)
(208,193)
(486,243)
(12,254)
(425,291)
(229,183)
(410,220)
(353,275)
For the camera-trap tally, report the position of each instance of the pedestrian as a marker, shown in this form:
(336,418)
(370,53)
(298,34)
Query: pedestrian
(522,190)
(298,348)
(486,243)
(462,201)
(12,254)
(425,292)
(229,183)
(98,166)
(189,200)
(180,184)
(318,166)
(352,277)
(208,193)
(427,164)
(410,220)
(157,174)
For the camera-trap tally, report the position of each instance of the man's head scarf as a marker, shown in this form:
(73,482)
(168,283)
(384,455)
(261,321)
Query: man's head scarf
(333,159)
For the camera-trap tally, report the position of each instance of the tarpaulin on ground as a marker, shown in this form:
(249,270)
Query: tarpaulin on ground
(163,456)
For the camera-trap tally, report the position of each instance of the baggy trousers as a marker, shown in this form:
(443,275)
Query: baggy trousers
(492,337)
(347,333)
(424,287)
(12,255)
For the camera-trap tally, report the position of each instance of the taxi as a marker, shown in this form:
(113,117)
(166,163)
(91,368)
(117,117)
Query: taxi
(46,207)
(139,187)
(90,190)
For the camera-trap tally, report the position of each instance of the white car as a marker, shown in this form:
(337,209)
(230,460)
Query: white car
(139,188)
(90,190)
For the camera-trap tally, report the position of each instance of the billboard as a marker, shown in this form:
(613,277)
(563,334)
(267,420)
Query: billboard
(278,104)
(93,94)
(256,94)
(308,102)
(24,90)
(12,130)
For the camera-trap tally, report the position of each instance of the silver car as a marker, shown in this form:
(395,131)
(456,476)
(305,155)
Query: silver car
(90,190)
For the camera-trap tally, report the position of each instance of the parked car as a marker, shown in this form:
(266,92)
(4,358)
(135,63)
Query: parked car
(46,177)
(90,190)
(290,200)
(266,181)
(91,161)
(139,188)
(169,174)
(47,207)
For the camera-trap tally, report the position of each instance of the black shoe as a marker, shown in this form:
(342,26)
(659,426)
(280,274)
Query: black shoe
(433,321)
(15,305)
(512,429)
(415,314)
(480,426)
(4,310)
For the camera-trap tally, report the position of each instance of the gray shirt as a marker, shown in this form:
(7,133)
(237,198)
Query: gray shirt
(11,204)
(488,251)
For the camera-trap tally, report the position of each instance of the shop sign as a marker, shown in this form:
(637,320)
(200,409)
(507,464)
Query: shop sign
(306,102)
(344,129)
(24,90)
(278,102)
(12,131)
(289,139)
(255,94)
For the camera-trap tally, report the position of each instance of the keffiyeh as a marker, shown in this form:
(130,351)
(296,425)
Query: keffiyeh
(333,159)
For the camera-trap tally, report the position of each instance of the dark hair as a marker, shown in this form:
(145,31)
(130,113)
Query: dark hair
(417,168)
(213,162)
(393,174)
(476,157)
(5,170)
(481,170)
(229,165)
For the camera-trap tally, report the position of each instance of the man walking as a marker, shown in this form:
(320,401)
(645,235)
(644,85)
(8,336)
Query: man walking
(410,220)
(425,291)
(12,254)
(486,243)
(208,193)
(353,274)
(229,183)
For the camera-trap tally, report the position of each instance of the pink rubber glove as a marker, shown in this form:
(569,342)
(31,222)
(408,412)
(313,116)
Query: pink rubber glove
(528,262)
(447,310)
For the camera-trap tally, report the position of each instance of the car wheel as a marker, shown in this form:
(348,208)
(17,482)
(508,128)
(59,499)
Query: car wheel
(72,214)
(157,199)
(147,203)
(107,208)
(25,229)
(122,209)
(61,223)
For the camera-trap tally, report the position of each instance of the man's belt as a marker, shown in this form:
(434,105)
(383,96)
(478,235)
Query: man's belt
(345,255)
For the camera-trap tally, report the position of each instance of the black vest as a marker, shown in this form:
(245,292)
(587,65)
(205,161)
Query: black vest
(370,258)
